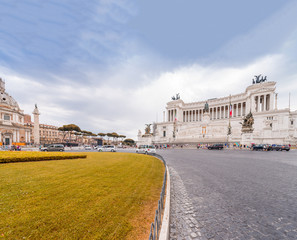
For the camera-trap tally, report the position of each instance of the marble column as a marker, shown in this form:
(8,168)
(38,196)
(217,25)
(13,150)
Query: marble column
(220,113)
(271,102)
(36,114)
(14,136)
(241,108)
(265,108)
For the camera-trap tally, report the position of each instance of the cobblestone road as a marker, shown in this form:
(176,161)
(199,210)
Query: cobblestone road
(233,194)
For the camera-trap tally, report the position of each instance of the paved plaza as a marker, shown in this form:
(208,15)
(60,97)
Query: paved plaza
(232,194)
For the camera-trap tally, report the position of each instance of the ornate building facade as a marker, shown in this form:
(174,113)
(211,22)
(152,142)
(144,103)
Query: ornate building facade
(12,129)
(190,123)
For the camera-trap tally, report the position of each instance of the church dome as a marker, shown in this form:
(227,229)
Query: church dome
(5,98)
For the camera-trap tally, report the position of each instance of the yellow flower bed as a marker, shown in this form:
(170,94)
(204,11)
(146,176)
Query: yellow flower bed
(7,157)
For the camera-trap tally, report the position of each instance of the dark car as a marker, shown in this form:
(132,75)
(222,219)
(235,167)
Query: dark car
(276,147)
(259,147)
(216,146)
(285,148)
(53,148)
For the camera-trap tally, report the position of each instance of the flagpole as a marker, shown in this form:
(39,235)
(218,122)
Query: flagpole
(289,101)
(229,127)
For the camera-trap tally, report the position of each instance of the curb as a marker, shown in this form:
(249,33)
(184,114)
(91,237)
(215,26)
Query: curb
(164,233)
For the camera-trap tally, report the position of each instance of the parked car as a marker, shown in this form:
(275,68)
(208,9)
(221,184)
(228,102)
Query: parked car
(276,147)
(106,148)
(146,149)
(88,147)
(218,146)
(285,148)
(53,148)
(259,147)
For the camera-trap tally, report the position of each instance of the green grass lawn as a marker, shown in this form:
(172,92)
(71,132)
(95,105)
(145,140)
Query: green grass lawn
(105,196)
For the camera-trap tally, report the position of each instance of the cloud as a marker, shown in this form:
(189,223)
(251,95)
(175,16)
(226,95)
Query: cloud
(63,37)
(108,107)
(268,36)
(105,80)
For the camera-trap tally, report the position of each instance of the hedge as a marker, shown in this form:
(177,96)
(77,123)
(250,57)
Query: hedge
(8,157)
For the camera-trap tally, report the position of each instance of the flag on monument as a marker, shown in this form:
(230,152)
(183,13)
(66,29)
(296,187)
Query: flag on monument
(230,110)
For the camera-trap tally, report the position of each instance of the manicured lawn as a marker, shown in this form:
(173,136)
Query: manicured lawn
(105,196)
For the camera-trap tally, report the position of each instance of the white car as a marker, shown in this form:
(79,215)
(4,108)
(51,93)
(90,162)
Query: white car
(96,147)
(87,147)
(106,148)
(146,149)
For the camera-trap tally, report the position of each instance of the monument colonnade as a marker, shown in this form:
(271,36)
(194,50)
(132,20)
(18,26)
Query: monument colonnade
(259,103)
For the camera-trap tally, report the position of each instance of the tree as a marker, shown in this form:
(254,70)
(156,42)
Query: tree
(122,137)
(69,129)
(108,136)
(88,133)
(114,135)
(129,141)
(101,134)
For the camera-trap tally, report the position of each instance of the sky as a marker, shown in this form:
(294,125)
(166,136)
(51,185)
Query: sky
(112,65)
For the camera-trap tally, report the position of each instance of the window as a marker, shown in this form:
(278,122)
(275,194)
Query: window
(164,133)
(6,117)
(292,122)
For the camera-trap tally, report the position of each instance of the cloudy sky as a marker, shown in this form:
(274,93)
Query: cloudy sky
(112,65)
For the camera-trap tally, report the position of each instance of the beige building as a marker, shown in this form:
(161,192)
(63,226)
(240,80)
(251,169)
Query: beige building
(12,128)
(48,134)
(187,122)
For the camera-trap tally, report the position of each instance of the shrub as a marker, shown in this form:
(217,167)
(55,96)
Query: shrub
(9,157)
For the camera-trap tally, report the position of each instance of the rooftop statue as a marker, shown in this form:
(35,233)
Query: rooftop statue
(176,97)
(259,79)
